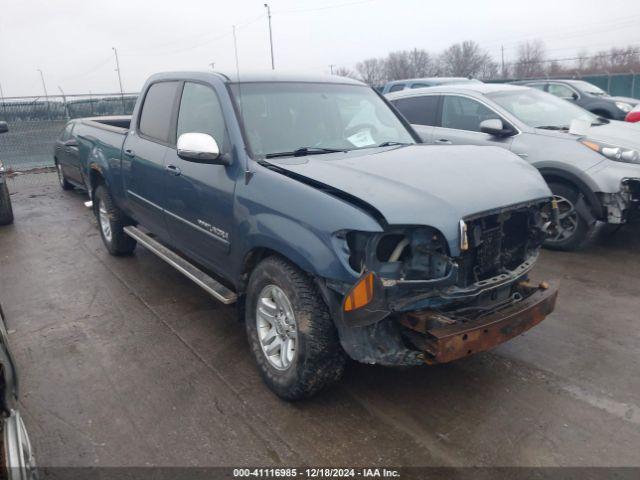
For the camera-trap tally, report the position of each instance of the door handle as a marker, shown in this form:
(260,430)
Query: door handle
(129,153)
(443,141)
(173,169)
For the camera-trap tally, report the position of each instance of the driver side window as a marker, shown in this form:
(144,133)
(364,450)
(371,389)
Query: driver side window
(461,113)
(200,112)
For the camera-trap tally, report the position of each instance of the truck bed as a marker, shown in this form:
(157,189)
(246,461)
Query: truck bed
(115,123)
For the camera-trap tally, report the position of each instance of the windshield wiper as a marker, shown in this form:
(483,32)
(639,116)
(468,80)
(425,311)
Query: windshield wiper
(601,121)
(553,127)
(391,144)
(301,152)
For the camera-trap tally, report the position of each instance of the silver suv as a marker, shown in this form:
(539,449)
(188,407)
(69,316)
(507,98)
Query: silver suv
(591,164)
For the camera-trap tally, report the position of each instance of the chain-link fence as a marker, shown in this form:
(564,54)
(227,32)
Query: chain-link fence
(35,123)
(617,84)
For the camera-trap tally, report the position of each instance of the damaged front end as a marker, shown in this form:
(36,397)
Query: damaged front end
(623,206)
(415,302)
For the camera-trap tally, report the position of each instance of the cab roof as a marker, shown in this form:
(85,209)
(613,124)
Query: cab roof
(259,76)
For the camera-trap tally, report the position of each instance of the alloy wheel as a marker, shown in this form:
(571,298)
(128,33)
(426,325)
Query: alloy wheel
(277,327)
(567,219)
(105,223)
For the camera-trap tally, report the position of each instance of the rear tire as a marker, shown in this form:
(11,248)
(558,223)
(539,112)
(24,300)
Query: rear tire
(317,359)
(573,230)
(111,223)
(6,210)
(61,179)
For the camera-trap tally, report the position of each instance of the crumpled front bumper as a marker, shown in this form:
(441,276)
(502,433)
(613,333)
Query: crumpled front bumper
(444,339)
(623,206)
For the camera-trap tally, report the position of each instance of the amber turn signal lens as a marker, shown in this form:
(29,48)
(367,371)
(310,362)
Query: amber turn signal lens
(361,294)
(591,145)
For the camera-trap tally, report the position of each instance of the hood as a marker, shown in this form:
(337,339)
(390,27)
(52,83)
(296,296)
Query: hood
(617,134)
(629,100)
(424,184)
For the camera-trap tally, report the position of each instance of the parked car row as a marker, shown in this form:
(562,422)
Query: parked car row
(591,164)
(313,204)
(586,95)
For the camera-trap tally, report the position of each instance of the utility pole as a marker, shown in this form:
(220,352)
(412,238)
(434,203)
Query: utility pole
(331,67)
(503,71)
(2,98)
(266,5)
(213,65)
(119,78)
(46,95)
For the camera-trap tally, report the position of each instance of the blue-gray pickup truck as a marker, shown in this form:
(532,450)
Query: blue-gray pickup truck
(310,202)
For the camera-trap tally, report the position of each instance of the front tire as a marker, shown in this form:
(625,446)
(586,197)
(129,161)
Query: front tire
(573,229)
(290,331)
(6,210)
(111,223)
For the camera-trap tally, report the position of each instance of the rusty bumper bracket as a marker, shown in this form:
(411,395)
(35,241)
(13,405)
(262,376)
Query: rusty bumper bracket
(446,339)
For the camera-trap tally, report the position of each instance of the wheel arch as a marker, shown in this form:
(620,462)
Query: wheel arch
(551,174)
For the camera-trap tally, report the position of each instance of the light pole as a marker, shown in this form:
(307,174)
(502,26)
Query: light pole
(213,65)
(46,95)
(266,5)
(119,78)
(44,85)
(64,102)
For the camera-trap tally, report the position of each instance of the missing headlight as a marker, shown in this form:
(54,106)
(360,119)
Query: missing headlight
(412,253)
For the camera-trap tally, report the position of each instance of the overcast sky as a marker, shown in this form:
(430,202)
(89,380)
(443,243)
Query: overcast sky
(72,40)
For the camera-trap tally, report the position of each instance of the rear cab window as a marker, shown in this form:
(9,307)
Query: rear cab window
(156,117)
(397,87)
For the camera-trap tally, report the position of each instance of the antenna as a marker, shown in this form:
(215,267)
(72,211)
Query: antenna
(247,172)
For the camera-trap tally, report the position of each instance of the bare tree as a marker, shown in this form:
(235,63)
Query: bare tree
(615,60)
(372,71)
(409,64)
(467,59)
(344,72)
(531,60)
(421,64)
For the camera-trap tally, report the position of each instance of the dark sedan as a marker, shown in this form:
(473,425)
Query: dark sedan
(586,95)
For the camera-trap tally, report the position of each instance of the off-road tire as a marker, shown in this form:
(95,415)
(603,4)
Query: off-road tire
(583,229)
(61,180)
(6,211)
(319,359)
(120,243)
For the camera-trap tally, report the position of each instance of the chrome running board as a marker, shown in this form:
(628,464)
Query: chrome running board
(211,286)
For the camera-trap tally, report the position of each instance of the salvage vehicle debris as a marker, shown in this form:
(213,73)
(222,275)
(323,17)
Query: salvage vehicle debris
(592,164)
(311,203)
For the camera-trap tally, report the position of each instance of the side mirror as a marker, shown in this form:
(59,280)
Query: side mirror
(200,148)
(574,96)
(4,128)
(495,127)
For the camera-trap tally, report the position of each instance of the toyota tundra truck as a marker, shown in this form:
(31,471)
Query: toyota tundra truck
(310,202)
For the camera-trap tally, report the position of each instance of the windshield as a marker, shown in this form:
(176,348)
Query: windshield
(281,117)
(588,88)
(538,109)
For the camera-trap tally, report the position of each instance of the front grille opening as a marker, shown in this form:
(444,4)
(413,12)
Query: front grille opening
(498,243)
